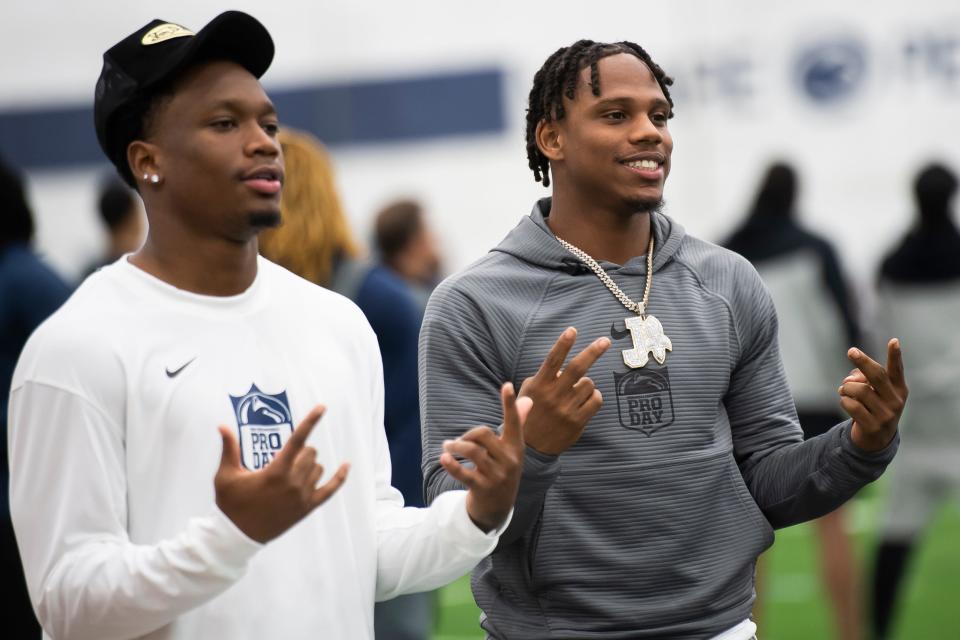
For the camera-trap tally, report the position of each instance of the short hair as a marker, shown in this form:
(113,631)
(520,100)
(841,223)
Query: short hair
(934,185)
(778,191)
(116,203)
(395,226)
(314,232)
(558,78)
(135,122)
(17,224)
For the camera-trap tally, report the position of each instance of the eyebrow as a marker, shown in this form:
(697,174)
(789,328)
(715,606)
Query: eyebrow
(264,108)
(616,101)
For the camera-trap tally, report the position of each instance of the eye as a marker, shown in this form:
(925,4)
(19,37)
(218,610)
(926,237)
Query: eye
(659,118)
(615,115)
(223,124)
(271,128)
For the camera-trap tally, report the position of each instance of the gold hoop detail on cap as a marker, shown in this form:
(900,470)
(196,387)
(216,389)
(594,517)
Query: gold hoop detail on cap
(164,32)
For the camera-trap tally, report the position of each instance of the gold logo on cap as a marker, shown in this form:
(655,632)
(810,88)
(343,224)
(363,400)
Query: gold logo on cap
(164,32)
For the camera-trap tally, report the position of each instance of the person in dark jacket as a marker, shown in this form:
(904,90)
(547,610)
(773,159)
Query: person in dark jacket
(29,292)
(802,272)
(919,297)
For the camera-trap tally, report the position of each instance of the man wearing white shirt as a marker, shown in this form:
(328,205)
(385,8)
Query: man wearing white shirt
(116,397)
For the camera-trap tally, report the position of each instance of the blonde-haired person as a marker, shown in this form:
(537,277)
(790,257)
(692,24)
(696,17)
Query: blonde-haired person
(315,235)
(315,242)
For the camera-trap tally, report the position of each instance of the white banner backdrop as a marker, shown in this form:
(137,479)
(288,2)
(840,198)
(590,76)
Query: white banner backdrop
(856,95)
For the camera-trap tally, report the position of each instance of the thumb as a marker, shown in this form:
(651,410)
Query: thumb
(524,404)
(230,458)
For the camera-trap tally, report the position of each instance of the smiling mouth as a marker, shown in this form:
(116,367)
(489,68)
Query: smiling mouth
(644,165)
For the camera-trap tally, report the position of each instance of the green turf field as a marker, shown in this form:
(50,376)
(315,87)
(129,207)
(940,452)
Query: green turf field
(795,606)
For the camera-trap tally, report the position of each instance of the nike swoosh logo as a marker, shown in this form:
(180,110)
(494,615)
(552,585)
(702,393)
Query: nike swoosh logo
(175,373)
(618,335)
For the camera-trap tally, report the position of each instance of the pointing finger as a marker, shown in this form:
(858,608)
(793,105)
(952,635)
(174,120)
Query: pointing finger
(512,423)
(584,360)
(558,353)
(895,364)
(299,436)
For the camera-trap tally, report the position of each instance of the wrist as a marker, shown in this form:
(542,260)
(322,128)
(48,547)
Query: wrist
(483,519)
(871,442)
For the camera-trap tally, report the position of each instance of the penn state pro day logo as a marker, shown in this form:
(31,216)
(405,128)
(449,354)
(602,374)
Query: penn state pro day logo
(644,399)
(265,424)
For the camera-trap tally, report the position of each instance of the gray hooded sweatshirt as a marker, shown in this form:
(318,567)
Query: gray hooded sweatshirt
(650,525)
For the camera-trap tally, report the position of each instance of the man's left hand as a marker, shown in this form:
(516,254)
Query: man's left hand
(498,461)
(874,397)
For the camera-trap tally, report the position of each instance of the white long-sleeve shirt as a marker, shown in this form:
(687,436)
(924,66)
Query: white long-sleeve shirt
(113,447)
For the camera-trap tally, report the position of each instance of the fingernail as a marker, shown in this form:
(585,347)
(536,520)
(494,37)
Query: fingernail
(570,331)
(854,353)
(896,343)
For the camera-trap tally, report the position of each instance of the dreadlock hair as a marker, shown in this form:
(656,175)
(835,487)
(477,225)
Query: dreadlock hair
(558,78)
(314,232)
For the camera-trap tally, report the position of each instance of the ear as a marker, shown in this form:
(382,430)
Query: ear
(550,139)
(142,158)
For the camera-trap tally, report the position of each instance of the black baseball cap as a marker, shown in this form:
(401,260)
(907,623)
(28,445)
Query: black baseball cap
(146,60)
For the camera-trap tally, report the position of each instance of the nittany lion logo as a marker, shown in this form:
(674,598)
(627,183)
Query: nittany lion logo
(644,399)
(265,425)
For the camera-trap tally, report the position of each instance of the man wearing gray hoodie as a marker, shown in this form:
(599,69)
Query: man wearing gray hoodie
(650,488)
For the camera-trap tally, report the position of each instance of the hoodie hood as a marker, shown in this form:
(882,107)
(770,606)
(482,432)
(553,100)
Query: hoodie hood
(532,241)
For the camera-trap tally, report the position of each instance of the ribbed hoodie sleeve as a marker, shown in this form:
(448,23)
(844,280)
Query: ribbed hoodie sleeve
(792,480)
(461,369)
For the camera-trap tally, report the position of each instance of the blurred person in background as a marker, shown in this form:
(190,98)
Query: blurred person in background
(315,242)
(817,323)
(407,245)
(29,292)
(123,219)
(919,298)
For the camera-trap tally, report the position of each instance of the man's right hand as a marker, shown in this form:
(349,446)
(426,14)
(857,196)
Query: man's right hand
(265,503)
(564,400)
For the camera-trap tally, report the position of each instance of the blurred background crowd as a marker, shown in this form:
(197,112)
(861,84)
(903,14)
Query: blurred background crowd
(818,140)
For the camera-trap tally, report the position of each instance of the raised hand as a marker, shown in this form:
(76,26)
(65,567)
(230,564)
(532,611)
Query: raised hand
(564,400)
(874,397)
(498,459)
(265,503)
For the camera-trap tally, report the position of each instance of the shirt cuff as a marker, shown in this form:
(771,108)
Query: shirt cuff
(453,504)
(226,542)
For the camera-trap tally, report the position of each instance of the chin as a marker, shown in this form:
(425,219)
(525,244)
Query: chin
(261,220)
(644,205)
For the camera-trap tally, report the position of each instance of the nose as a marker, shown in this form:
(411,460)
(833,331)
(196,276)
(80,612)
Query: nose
(645,131)
(259,142)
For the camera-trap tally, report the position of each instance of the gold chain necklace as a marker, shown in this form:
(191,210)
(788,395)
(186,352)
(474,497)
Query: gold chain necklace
(645,330)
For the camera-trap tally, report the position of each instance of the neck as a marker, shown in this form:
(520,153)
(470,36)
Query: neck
(207,266)
(604,234)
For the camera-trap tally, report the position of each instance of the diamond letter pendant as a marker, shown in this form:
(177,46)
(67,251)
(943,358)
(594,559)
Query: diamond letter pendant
(647,334)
